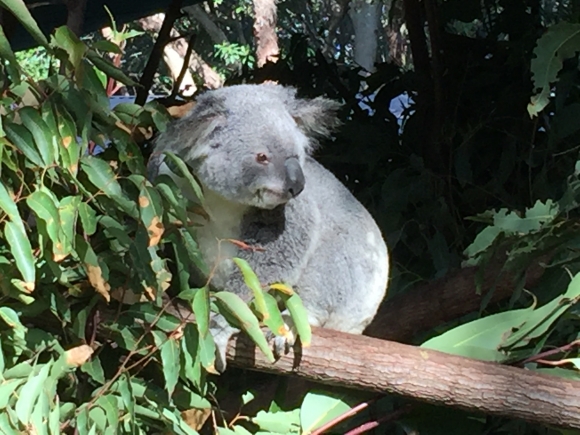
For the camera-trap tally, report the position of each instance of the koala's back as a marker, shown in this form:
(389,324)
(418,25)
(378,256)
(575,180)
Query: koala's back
(346,276)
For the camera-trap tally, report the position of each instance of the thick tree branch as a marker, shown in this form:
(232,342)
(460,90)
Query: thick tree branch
(76,15)
(366,363)
(419,309)
(201,16)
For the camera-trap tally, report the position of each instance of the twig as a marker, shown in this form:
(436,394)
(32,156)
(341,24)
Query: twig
(172,13)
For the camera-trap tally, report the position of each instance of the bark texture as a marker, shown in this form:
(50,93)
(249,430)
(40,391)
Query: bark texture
(365,363)
(365,17)
(267,49)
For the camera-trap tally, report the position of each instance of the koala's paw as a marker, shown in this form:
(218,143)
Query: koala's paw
(221,332)
(282,344)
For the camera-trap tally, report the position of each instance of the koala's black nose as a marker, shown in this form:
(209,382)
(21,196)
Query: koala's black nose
(294,176)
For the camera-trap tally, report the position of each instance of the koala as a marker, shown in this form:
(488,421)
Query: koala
(250,148)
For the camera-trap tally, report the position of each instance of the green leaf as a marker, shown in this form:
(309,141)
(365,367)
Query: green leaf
(480,339)
(88,218)
(185,173)
(151,210)
(45,208)
(274,321)
(22,253)
(20,11)
(278,422)
(200,307)
(7,53)
(94,369)
(299,316)
(29,393)
(7,389)
(207,353)
(170,364)
(542,318)
(41,133)
(152,316)
(9,207)
(482,241)
(108,404)
(232,306)
(23,140)
(111,70)
(560,42)
(75,49)
(103,177)
(69,148)
(318,409)
(253,283)
(68,212)
(193,251)
(107,46)
(190,353)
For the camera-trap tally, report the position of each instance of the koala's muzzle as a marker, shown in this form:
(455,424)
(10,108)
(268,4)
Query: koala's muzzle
(294,177)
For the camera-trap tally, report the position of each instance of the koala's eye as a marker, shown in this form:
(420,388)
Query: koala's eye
(262,158)
(215,145)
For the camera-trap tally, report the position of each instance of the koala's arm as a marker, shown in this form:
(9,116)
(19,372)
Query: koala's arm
(280,244)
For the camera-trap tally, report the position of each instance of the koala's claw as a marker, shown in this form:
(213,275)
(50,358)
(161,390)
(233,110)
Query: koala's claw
(282,344)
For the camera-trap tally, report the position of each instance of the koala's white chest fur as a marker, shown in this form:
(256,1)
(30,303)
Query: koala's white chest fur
(224,223)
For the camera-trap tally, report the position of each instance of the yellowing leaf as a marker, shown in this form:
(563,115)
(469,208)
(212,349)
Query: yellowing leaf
(95,275)
(155,231)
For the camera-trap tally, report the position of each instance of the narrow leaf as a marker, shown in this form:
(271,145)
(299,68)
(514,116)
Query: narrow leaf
(231,305)
(21,12)
(253,283)
(103,177)
(22,253)
(299,316)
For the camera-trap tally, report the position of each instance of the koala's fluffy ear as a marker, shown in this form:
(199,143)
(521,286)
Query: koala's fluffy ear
(315,117)
(187,137)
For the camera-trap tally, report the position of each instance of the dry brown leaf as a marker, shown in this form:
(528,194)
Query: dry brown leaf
(28,286)
(79,355)
(150,293)
(95,275)
(195,418)
(180,111)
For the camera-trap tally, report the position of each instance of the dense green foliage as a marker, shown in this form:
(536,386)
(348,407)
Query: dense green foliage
(488,165)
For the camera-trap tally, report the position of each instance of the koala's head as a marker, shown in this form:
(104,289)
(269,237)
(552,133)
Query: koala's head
(248,143)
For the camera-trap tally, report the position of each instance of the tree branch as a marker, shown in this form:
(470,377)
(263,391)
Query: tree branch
(146,81)
(423,307)
(369,364)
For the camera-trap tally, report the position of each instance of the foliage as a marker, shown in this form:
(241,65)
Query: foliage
(232,53)
(36,63)
(81,227)
(468,175)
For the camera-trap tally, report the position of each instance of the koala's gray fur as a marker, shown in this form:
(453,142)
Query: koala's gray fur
(249,147)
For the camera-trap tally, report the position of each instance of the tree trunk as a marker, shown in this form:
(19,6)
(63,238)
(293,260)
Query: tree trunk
(265,32)
(365,17)
(177,49)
